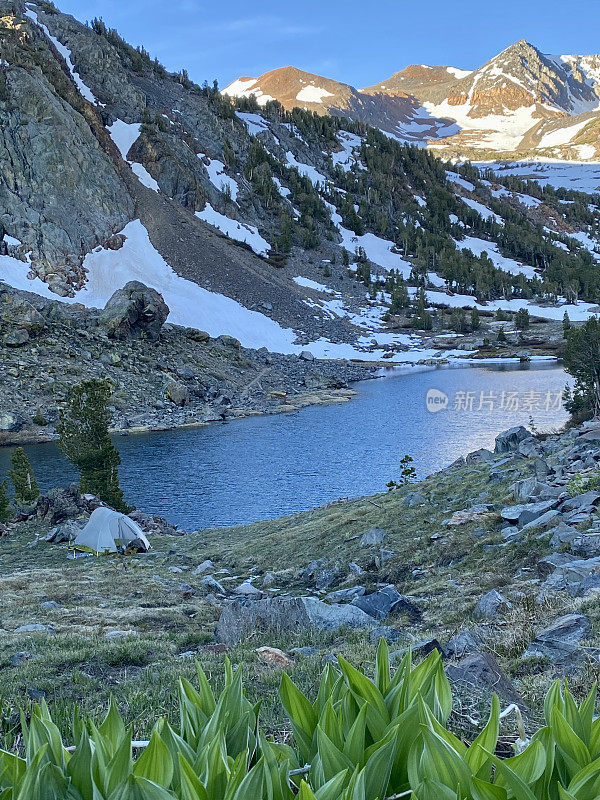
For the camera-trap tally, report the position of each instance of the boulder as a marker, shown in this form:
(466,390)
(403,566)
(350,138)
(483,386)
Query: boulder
(205,566)
(414,499)
(482,456)
(320,574)
(66,532)
(16,338)
(528,512)
(491,604)
(508,441)
(559,642)
(133,311)
(531,489)
(465,642)
(481,670)
(547,564)
(385,601)
(586,545)
(562,534)
(577,577)
(177,393)
(239,620)
(582,502)
(372,536)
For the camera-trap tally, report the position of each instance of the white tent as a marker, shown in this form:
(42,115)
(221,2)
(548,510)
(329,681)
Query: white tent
(107,530)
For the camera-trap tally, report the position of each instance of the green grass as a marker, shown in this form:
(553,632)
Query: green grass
(80,666)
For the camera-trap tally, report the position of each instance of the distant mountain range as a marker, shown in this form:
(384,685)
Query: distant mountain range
(521,101)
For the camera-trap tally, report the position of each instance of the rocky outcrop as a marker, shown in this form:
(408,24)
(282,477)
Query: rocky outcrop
(60,194)
(134,311)
(238,620)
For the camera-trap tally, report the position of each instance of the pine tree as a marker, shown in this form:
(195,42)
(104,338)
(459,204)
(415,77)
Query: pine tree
(85,441)
(582,361)
(475,320)
(566,325)
(522,319)
(23,478)
(5,509)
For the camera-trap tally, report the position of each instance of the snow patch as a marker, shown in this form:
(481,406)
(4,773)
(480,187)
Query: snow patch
(240,231)
(312,94)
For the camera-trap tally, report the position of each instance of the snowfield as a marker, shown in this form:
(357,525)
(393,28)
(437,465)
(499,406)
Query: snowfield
(240,231)
(478,246)
(85,91)
(124,134)
(582,177)
(312,94)
(218,177)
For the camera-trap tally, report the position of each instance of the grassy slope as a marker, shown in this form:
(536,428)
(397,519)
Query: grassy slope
(79,664)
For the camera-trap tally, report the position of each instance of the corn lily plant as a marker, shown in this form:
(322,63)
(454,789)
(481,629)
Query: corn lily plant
(360,739)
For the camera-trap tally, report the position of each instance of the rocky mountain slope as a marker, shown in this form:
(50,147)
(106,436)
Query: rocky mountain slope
(521,102)
(283,228)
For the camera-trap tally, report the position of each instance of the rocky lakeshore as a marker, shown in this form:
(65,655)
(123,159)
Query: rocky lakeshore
(163,376)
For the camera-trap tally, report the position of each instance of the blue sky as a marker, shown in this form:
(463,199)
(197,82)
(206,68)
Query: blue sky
(357,42)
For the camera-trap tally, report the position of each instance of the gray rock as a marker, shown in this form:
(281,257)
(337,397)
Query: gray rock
(372,537)
(421,648)
(547,564)
(19,658)
(212,585)
(559,642)
(531,489)
(384,601)
(525,513)
(577,577)
(133,311)
(508,441)
(66,532)
(35,628)
(391,635)
(581,502)
(586,545)
(16,338)
(320,574)
(246,589)
(530,448)
(465,642)
(116,635)
(490,605)
(268,580)
(306,355)
(50,605)
(205,566)
(482,456)
(414,499)
(345,595)
(286,614)
(177,393)
(562,534)
(544,521)
(481,670)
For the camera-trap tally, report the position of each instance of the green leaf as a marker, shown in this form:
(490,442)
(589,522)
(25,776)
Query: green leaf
(476,755)
(333,760)
(79,768)
(354,746)
(302,716)
(365,690)
(190,786)
(155,764)
(378,768)
(382,666)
